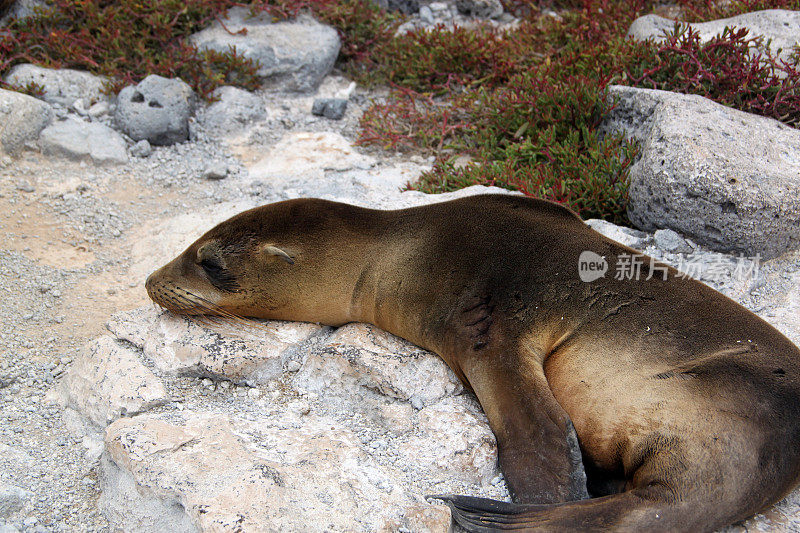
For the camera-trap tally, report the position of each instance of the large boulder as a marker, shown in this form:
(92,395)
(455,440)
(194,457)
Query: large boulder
(779,26)
(22,118)
(60,86)
(727,179)
(355,429)
(156,109)
(295,54)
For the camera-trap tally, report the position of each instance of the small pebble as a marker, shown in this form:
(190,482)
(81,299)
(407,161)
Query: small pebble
(141,149)
(216,171)
(100,108)
(332,108)
(24,186)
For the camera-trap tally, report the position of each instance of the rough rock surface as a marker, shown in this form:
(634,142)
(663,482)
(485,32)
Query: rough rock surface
(293,54)
(81,141)
(480,8)
(403,6)
(12,499)
(362,355)
(22,118)
(234,110)
(156,109)
(780,26)
(61,86)
(727,179)
(108,381)
(252,355)
(332,108)
(353,440)
(23,9)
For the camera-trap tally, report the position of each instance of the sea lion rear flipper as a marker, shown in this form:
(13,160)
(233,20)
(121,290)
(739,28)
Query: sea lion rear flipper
(482,515)
(628,511)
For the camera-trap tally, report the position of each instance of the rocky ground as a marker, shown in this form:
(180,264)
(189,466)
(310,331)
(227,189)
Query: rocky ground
(113,415)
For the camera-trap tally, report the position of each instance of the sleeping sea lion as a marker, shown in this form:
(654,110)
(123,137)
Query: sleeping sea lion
(684,404)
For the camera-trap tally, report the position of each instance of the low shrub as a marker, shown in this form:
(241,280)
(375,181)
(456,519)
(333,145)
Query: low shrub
(732,69)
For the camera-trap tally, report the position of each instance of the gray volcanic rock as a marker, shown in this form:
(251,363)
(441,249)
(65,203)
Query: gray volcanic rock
(61,86)
(480,8)
(157,109)
(78,140)
(294,54)
(332,108)
(403,6)
(12,498)
(780,26)
(233,112)
(726,179)
(22,118)
(669,241)
(23,9)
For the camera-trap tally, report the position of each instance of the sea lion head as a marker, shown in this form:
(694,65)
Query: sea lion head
(279,261)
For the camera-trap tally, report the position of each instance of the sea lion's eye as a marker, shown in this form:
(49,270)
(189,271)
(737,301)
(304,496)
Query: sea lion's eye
(212,268)
(218,275)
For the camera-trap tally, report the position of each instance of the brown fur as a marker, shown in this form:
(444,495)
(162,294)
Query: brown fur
(684,403)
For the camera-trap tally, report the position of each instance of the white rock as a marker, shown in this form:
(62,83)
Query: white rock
(467,448)
(363,355)
(22,118)
(61,86)
(227,473)
(250,353)
(782,27)
(308,154)
(133,326)
(108,381)
(627,236)
(294,54)
(78,140)
(724,178)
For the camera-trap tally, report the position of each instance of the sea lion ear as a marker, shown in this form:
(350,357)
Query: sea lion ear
(274,250)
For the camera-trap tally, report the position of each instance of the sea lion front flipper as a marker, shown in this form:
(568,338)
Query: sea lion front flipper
(537,446)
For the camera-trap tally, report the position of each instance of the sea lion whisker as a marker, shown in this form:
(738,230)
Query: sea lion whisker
(220,312)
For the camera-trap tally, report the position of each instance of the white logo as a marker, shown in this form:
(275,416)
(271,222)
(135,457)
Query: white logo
(591,266)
